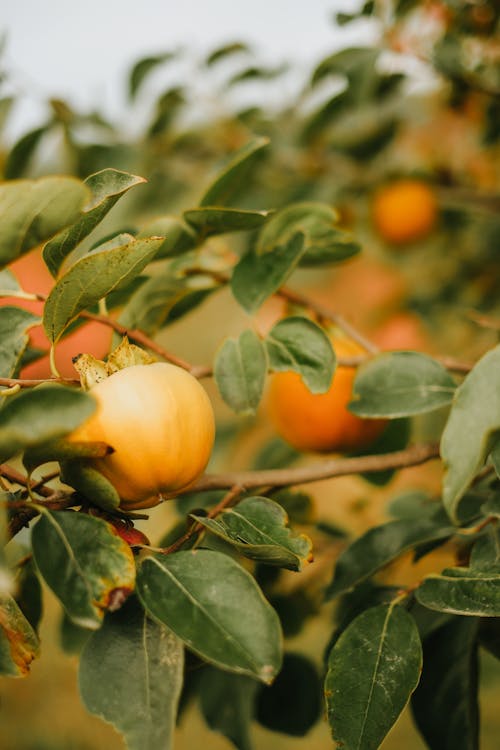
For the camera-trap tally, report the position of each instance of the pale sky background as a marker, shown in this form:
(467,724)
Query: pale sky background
(82,50)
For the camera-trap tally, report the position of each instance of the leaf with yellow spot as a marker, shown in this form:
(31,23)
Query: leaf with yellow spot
(87,566)
(19,643)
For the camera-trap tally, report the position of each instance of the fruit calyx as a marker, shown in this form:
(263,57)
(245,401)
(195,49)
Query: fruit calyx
(93,371)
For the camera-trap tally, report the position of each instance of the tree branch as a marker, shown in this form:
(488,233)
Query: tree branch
(335,467)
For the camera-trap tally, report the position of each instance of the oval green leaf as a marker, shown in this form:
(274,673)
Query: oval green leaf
(88,567)
(372,670)
(240,369)
(258,528)
(381,544)
(470,430)
(324,242)
(93,277)
(33,211)
(401,384)
(298,344)
(211,220)
(235,174)
(216,608)
(106,187)
(462,591)
(45,413)
(131,673)
(257,277)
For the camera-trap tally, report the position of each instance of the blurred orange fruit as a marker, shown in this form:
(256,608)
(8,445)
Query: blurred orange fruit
(403,330)
(404,211)
(321,422)
(92,338)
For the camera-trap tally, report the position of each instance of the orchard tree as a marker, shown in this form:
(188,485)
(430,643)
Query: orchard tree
(102,424)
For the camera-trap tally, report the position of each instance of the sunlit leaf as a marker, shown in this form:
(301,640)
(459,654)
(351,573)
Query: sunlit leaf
(298,344)
(178,237)
(471,428)
(93,277)
(372,671)
(216,608)
(106,188)
(240,369)
(87,566)
(400,384)
(33,211)
(19,643)
(258,528)
(131,676)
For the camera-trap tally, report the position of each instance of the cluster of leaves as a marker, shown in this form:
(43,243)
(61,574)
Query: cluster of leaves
(209,592)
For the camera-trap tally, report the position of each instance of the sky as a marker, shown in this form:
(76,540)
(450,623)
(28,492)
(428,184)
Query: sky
(82,50)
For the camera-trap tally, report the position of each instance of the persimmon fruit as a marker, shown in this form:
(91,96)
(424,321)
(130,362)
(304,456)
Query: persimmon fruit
(321,422)
(404,211)
(159,422)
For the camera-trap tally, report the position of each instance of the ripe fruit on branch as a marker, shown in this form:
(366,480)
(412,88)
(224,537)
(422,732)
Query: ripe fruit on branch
(404,211)
(321,422)
(159,421)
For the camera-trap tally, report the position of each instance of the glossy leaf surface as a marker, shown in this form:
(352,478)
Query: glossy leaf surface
(216,608)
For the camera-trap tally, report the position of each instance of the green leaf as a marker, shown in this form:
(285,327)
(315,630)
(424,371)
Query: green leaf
(356,64)
(143,68)
(33,211)
(63,450)
(293,703)
(462,591)
(394,437)
(235,174)
(240,369)
(323,241)
(41,414)
(381,544)
(214,220)
(106,188)
(258,528)
(257,277)
(216,608)
(8,283)
(298,344)
(275,454)
(178,237)
(372,671)
(228,50)
(19,643)
(131,676)
(27,588)
(485,553)
(20,154)
(14,325)
(401,384)
(257,73)
(227,704)
(445,704)
(93,277)
(91,484)
(470,430)
(88,567)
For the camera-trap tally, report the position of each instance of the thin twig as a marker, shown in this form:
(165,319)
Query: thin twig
(196,528)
